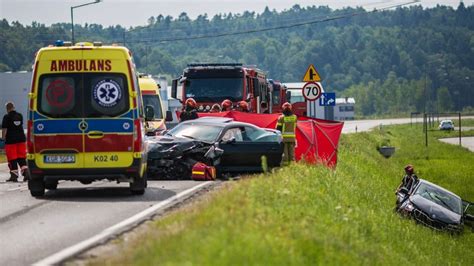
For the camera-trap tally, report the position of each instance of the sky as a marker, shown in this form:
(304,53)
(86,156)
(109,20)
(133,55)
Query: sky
(136,12)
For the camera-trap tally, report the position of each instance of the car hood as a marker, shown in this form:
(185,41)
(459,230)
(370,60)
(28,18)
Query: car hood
(435,211)
(169,146)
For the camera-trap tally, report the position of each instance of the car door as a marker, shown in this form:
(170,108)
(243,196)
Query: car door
(233,158)
(56,124)
(243,153)
(262,142)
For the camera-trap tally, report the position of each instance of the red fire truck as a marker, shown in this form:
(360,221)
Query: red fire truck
(212,83)
(280,95)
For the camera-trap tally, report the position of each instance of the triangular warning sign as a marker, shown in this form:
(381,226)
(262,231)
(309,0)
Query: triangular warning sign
(311,75)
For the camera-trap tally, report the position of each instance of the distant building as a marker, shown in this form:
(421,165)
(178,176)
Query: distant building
(344,109)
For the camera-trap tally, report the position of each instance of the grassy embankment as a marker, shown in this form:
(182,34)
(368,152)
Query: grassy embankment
(306,215)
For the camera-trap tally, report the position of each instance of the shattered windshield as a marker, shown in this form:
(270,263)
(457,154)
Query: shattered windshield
(206,133)
(439,197)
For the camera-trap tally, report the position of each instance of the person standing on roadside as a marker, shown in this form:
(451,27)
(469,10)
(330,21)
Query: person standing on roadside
(286,123)
(15,143)
(409,180)
(190,110)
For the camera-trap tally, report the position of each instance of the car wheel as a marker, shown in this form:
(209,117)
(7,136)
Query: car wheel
(36,187)
(138,185)
(51,184)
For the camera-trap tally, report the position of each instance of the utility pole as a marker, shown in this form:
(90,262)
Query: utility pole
(72,16)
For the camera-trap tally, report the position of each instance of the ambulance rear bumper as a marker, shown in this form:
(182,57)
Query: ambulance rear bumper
(87,174)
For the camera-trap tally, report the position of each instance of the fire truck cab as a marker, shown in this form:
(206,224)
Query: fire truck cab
(209,84)
(279,95)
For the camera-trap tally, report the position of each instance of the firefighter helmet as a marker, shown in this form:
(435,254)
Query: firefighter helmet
(226,104)
(243,106)
(216,108)
(190,102)
(286,106)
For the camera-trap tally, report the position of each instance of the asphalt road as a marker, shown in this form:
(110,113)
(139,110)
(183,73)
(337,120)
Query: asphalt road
(467,142)
(32,229)
(353,126)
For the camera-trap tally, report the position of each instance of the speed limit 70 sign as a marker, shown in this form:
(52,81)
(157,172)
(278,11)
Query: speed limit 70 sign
(311,91)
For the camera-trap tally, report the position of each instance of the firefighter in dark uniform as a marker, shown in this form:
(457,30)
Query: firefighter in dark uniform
(287,125)
(190,110)
(15,143)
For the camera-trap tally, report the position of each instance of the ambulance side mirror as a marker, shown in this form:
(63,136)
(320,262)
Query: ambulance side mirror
(149,113)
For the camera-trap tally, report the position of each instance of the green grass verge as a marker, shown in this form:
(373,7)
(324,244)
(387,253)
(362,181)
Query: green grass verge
(465,122)
(310,215)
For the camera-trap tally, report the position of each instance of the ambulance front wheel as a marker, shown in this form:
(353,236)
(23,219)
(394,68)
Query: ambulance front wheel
(36,187)
(138,185)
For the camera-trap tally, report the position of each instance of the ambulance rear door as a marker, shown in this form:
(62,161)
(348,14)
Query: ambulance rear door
(109,110)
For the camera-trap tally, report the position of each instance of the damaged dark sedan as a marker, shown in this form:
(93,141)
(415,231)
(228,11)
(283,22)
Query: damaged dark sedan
(230,146)
(434,206)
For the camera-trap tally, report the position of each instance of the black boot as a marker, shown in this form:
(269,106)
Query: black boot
(13,177)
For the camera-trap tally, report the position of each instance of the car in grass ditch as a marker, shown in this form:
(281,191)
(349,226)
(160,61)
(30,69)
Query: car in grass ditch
(434,206)
(446,125)
(230,146)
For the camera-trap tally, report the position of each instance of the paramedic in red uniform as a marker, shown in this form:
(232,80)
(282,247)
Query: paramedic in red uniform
(15,143)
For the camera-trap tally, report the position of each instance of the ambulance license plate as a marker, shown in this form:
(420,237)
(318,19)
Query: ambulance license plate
(59,159)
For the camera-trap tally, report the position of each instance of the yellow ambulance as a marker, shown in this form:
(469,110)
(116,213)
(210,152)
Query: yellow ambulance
(85,118)
(149,89)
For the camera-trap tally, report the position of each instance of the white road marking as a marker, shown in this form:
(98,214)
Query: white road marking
(113,230)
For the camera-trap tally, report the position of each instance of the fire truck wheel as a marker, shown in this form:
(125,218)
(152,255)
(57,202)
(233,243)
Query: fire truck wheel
(36,187)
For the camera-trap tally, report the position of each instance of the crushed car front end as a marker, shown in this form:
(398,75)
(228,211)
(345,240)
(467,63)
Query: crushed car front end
(173,158)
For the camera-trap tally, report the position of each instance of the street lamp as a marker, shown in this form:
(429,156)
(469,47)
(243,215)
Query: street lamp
(72,15)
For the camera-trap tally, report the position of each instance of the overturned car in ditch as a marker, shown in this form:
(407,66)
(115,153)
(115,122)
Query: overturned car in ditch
(230,146)
(434,206)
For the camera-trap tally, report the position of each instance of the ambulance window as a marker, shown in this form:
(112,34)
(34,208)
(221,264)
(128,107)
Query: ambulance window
(106,95)
(57,96)
(154,102)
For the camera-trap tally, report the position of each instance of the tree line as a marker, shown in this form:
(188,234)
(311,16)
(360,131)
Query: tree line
(392,62)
